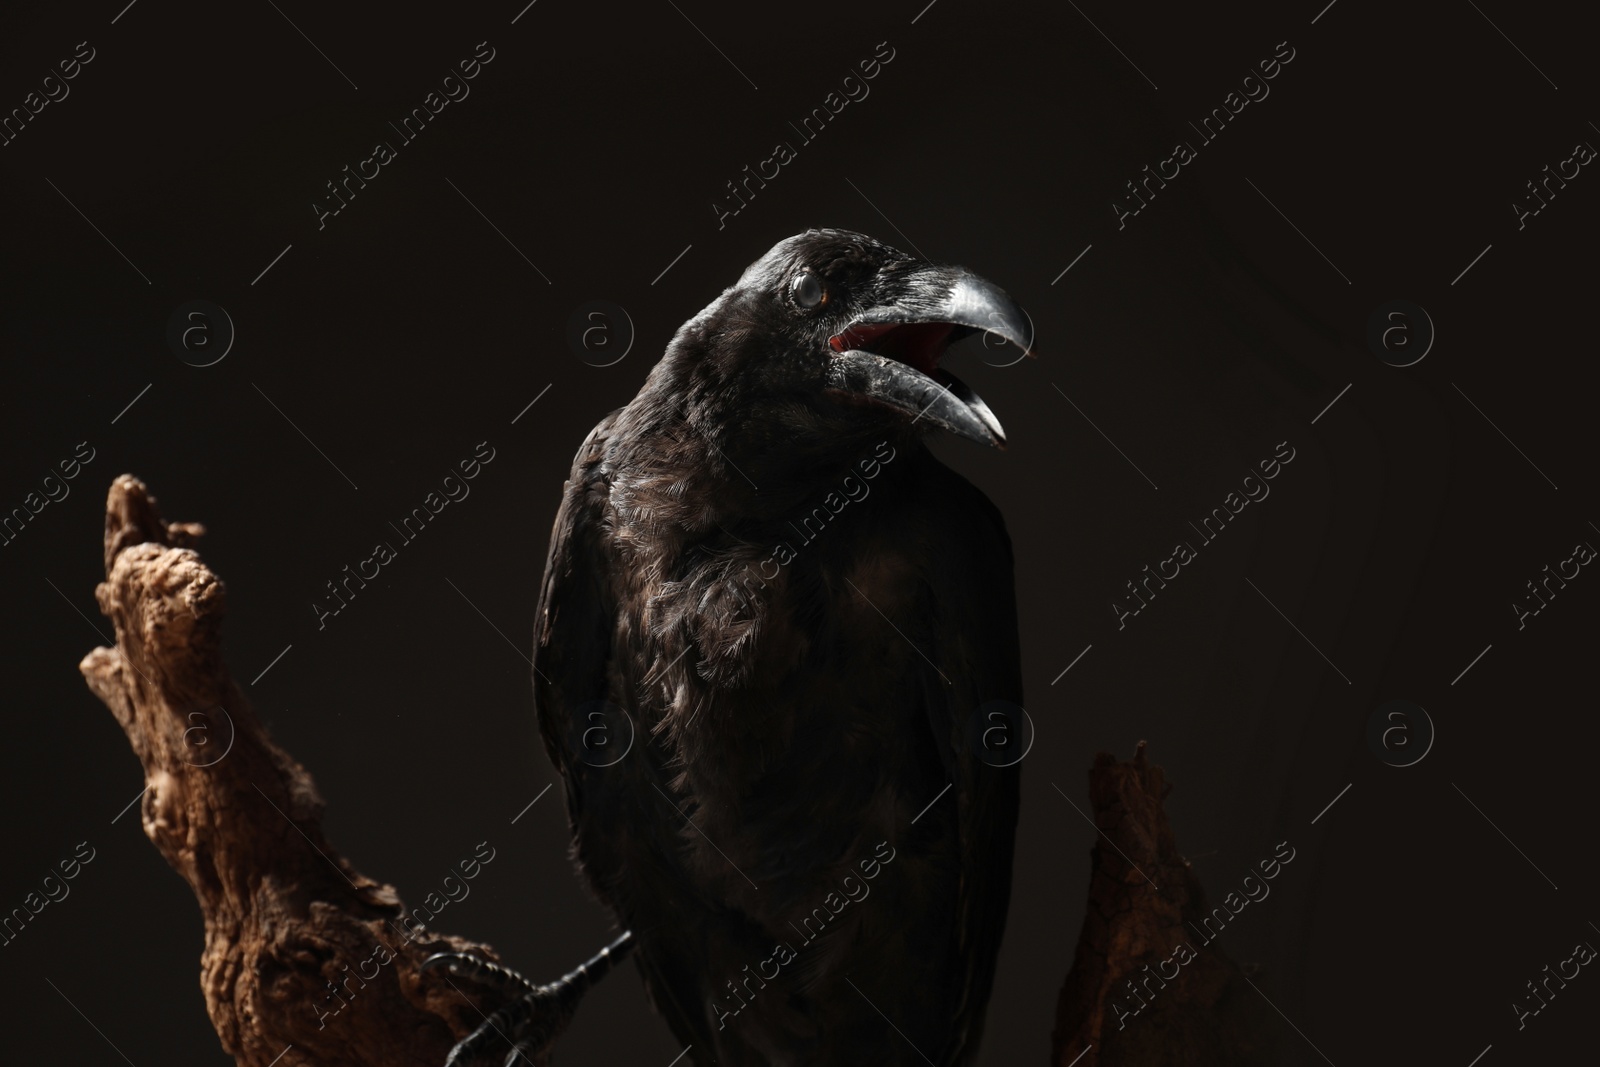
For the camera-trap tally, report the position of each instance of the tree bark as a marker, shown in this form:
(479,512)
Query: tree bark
(301,949)
(1145,902)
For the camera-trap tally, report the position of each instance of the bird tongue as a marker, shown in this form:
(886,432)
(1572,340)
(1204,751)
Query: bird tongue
(918,345)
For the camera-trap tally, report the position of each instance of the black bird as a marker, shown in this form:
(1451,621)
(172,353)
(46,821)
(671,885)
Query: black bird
(777,665)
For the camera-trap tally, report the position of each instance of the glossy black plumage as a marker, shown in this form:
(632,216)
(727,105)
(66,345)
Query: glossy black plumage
(795,711)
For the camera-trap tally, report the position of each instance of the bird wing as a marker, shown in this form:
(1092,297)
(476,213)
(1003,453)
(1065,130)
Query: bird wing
(575,668)
(979,656)
(577,612)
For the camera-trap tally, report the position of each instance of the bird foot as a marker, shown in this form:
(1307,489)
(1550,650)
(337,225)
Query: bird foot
(534,1015)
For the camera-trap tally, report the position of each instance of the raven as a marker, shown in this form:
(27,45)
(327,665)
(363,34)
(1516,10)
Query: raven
(805,625)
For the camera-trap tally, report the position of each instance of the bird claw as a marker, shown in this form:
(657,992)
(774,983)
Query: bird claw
(529,1021)
(534,1015)
(502,980)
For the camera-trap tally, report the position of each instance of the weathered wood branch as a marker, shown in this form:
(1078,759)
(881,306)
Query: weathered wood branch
(300,948)
(1143,923)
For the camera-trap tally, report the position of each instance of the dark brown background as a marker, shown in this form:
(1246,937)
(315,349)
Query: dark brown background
(1197,338)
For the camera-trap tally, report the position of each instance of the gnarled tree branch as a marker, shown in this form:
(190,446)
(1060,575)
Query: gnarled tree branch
(301,948)
(1144,903)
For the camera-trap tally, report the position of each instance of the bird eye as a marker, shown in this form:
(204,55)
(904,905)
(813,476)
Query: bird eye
(808,291)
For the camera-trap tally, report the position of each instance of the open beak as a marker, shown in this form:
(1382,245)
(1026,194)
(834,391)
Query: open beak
(890,354)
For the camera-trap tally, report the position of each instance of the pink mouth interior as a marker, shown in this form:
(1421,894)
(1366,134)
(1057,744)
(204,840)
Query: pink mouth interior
(918,345)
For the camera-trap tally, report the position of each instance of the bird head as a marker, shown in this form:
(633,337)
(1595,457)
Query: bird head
(837,332)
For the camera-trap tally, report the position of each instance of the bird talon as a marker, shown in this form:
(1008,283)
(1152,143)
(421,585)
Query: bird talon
(441,959)
(503,980)
(534,1015)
